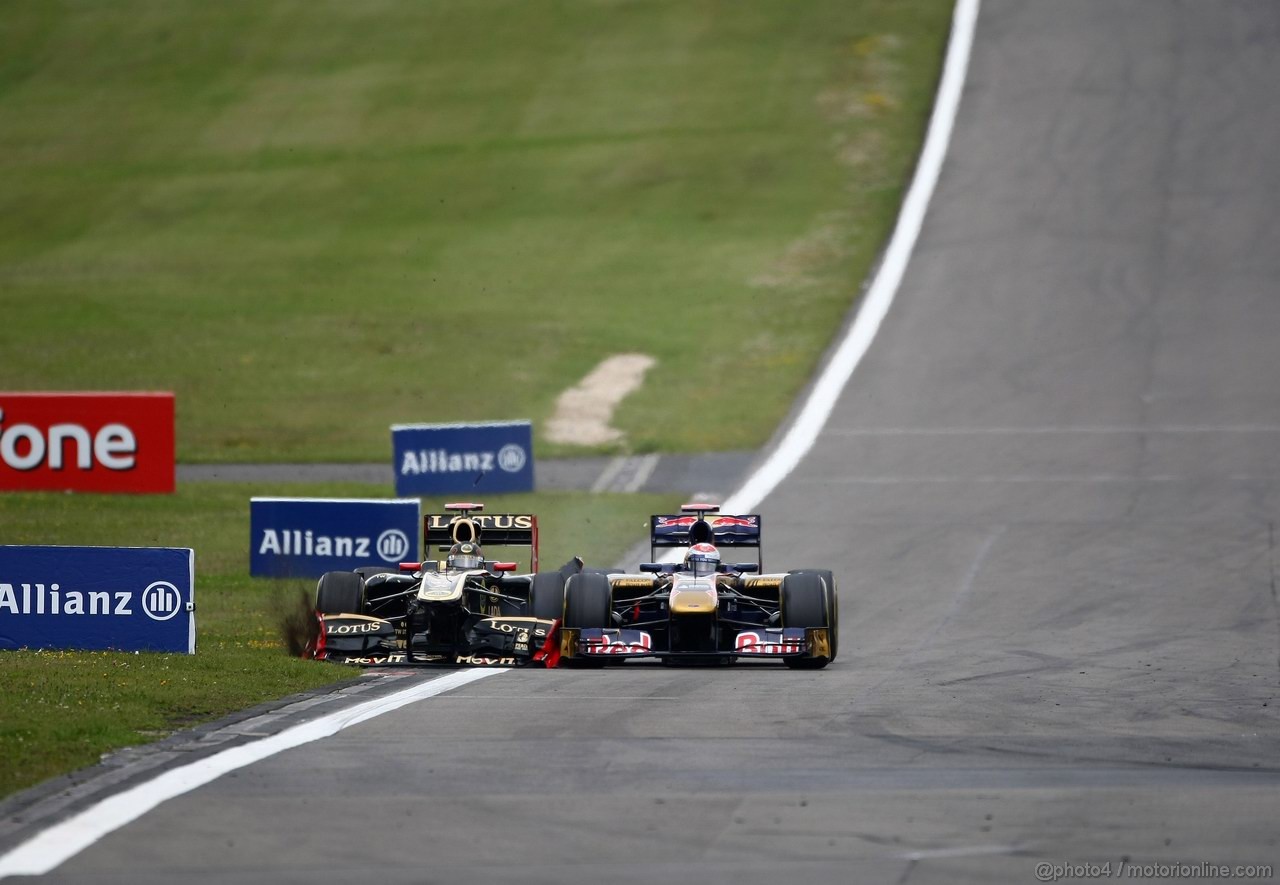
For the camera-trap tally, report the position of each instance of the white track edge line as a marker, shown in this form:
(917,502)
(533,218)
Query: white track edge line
(49,848)
(802,434)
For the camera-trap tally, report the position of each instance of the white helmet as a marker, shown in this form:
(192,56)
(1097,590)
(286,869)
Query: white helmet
(702,559)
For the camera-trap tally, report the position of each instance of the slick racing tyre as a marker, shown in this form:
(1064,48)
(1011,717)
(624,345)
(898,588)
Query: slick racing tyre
(340,593)
(546,596)
(587,603)
(833,606)
(807,602)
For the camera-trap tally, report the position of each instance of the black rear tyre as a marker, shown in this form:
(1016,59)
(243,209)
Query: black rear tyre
(340,593)
(806,602)
(546,596)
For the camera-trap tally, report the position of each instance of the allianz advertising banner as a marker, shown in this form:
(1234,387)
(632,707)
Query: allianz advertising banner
(442,459)
(306,537)
(87,442)
(98,598)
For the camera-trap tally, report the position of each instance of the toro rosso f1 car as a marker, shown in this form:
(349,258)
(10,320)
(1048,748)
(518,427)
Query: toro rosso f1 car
(461,610)
(702,609)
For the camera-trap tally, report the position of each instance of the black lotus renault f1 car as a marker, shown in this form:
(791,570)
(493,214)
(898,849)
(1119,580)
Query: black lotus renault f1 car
(702,610)
(461,610)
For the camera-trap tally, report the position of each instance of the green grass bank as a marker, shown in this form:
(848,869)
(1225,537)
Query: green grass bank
(314,219)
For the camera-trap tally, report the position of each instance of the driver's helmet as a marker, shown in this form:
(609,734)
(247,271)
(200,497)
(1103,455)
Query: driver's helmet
(702,559)
(466,555)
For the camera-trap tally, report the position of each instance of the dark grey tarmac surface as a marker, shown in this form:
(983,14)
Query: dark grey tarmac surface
(712,474)
(1049,495)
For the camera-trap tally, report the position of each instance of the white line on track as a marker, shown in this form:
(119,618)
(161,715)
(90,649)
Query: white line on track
(609,474)
(626,474)
(64,840)
(958,851)
(822,398)
(644,470)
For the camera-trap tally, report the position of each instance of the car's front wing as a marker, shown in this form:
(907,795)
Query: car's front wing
(761,643)
(490,642)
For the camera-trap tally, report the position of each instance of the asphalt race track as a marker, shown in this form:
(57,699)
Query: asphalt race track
(1049,494)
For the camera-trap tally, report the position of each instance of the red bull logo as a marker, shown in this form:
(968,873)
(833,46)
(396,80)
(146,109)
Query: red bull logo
(734,521)
(637,642)
(751,642)
(671,522)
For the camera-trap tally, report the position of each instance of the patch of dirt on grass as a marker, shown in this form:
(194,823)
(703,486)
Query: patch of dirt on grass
(583,412)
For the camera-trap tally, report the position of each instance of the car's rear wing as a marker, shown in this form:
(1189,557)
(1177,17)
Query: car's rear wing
(703,523)
(463,522)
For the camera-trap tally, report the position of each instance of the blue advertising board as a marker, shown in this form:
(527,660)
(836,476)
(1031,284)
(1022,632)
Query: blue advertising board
(443,459)
(306,537)
(98,598)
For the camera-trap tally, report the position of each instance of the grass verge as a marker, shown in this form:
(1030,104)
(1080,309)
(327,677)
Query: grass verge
(63,709)
(281,209)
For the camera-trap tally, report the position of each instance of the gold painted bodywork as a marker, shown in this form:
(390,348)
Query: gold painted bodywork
(569,641)
(633,583)
(445,586)
(819,641)
(694,598)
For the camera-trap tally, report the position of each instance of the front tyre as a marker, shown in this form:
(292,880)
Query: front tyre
(340,593)
(587,601)
(587,604)
(547,596)
(809,601)
(833,603)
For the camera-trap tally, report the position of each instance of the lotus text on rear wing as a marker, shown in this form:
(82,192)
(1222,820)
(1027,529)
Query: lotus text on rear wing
(440,522)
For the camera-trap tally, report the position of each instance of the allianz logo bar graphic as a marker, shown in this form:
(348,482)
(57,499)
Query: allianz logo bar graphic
(510,458)
(391,546)
(160,601)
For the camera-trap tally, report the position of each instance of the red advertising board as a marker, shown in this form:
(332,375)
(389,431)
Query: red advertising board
(87,442)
